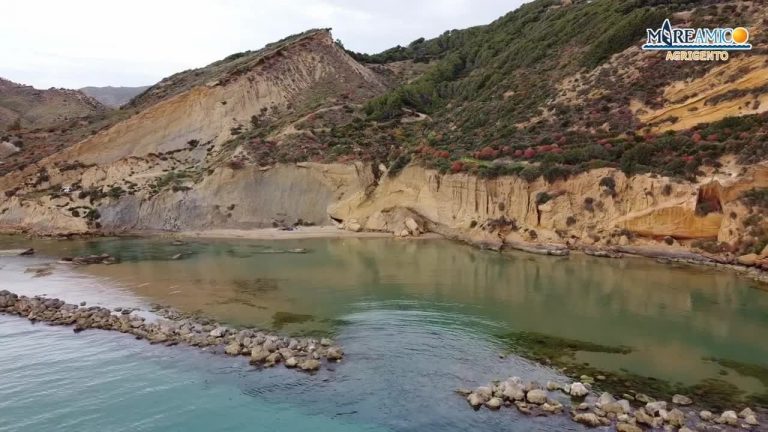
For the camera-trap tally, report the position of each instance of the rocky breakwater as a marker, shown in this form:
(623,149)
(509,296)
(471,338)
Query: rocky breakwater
(628,413)
(263,348)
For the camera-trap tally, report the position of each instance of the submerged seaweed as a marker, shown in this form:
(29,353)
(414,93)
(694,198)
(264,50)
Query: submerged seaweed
(255,286)
(560,353)
(279,319)
(545,348)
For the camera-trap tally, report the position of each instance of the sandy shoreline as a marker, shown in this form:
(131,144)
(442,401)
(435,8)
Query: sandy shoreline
(298,233)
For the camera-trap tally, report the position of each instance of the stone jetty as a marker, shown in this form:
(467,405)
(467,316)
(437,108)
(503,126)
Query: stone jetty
(264,348)
(628,413)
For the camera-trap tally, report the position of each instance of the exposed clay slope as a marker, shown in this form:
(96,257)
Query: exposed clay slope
(23,106)
(292,78)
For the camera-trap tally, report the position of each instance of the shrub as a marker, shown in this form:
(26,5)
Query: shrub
(608,183)
(93,214)
(236,164)
(589,204)
(398,165)
(666,190)
(115,192)
(757,197)
(542,198)
(530,173)
(711,245)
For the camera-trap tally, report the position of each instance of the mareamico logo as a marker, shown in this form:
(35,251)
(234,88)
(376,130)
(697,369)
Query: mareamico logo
(696,43)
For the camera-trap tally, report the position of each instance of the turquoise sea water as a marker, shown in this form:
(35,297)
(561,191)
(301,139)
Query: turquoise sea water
(417,319)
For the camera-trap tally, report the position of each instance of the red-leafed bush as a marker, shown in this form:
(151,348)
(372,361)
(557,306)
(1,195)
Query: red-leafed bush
(529,153)
(457,167)
(696,138)
(713,137)
(518,153)
(443,154)
(487,153)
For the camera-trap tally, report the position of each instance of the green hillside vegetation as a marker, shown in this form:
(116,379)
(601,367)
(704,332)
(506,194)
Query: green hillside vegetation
(489,87)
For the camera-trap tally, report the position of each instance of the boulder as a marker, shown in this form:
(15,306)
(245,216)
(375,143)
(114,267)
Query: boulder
(751,420)
(309,365)
(92,259)
(746,412)
(681,400)
(258,354)
(552,386)
(644,398)
(616,408)
(552,407)
(676,418)
(412,226)
(273,358)
(653,408)
(706,415)
(729,418)
(627,427)
(626,405)
(588,419)
(536,396)
(578,390)
(475,400)
(494,403)
(233,349)
(644,418)
(17,252)
(334,353)
(353,225)
(512,391)
(484,392)
(605,398)
(748,259)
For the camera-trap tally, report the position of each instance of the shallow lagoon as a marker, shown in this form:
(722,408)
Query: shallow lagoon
(417,319)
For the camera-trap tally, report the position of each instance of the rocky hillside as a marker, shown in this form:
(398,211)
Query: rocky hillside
(547,125)
(113,97)
(36,123)
(24,106)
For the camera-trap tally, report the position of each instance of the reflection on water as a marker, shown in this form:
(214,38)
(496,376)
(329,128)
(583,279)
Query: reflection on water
(672,317)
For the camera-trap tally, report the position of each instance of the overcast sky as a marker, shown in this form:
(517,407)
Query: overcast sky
(76,43)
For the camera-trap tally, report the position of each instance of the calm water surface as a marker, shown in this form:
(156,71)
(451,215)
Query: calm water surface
(418,319)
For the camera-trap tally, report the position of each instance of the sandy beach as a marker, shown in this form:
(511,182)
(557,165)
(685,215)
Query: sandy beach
(297,233)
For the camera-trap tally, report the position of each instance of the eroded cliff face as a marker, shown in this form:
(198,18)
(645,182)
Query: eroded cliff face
(244,198)
(585,210)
